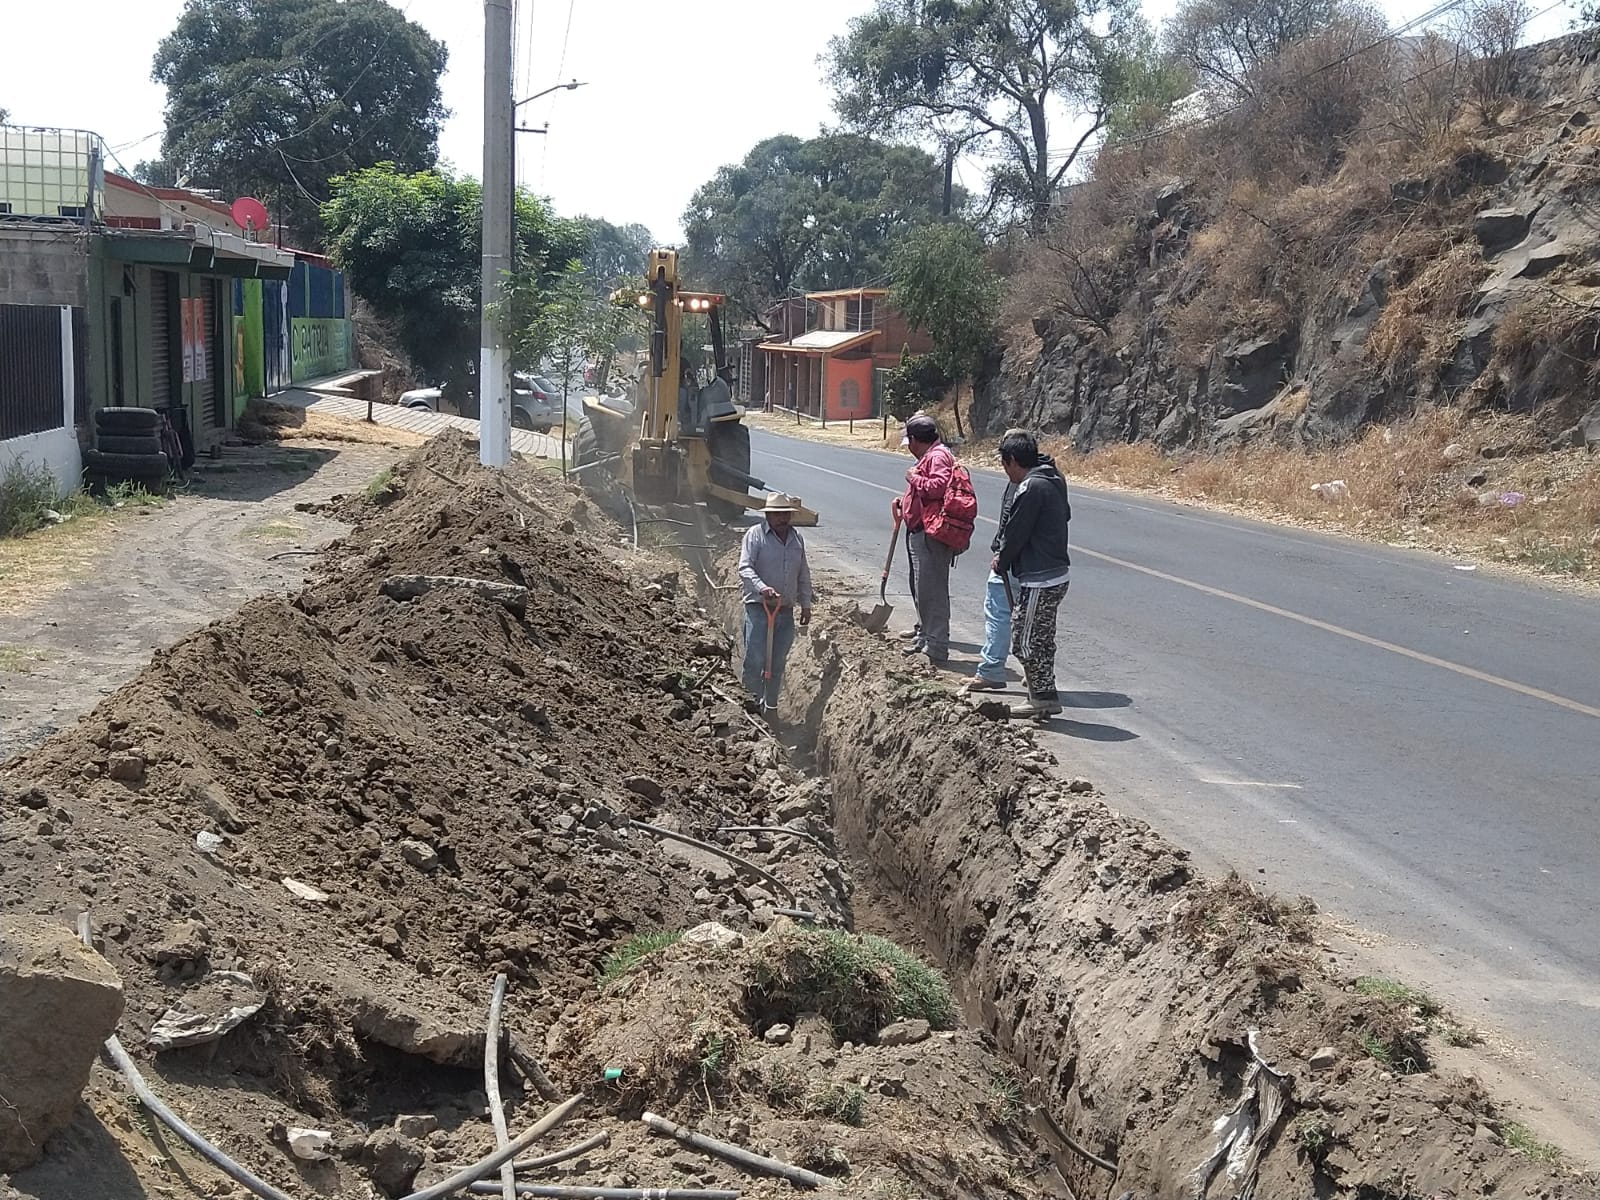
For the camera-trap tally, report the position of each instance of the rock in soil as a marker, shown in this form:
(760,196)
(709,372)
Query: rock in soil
(59,1002)
(394,1161)
(904,1033)
(511,753)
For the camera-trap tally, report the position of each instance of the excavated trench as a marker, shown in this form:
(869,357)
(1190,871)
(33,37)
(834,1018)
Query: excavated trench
(371,801)
(1178,1036)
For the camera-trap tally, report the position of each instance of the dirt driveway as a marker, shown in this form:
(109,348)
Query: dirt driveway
(149,575)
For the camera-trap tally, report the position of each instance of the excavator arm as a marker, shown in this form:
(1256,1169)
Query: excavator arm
(688,442)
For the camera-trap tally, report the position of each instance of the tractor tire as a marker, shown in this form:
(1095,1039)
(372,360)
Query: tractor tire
(140,444)
(586,444)
(127,422)
(730,446)
(142,468)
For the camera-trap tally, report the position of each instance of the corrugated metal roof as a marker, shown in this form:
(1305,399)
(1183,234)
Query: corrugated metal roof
(824,340)
(846,293)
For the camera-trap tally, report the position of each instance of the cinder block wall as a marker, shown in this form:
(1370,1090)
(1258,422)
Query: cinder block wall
(44,266)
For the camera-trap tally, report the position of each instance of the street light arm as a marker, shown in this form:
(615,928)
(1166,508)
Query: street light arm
(557,87)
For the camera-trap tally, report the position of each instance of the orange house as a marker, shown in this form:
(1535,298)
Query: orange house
(831,371)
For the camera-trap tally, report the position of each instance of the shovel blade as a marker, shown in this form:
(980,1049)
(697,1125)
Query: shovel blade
(877,620)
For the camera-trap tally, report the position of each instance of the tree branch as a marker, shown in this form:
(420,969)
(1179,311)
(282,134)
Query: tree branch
(1100,117)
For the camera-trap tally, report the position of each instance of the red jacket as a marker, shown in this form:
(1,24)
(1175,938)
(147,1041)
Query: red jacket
(926,488)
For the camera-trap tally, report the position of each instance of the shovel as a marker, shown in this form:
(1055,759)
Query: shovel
(878,619)
(772,609)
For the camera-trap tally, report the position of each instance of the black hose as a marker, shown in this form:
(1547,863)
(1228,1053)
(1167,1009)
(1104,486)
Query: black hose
(171,1119)
(759,872)
(574,1192)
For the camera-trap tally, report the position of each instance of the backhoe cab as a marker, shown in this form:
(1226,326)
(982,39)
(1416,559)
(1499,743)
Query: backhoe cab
(683,442)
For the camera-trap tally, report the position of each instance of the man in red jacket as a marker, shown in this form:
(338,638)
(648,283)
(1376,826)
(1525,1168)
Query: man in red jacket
(926,483)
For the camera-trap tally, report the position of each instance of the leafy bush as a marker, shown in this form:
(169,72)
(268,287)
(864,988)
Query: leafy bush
(859,983)
(919,382)
(27,490)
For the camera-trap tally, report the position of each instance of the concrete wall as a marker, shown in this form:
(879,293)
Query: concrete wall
(44,266)
(57,450)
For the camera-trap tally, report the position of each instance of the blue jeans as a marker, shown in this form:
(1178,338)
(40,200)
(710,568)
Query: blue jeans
(755,652)
(996,630)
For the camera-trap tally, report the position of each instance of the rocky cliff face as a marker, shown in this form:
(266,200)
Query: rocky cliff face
(1474,279)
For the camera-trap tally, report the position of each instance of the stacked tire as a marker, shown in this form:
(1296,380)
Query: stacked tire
(127,447)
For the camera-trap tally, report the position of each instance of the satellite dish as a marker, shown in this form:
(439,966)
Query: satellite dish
(250,214)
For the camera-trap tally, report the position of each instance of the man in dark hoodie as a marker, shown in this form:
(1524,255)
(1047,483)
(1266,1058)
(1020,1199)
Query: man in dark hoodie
(1033,549)
(997,596)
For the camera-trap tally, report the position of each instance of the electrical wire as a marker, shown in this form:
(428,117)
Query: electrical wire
(561,66)
(182,215)
(526,83)
(1392,35)
(376,54)
(296,179)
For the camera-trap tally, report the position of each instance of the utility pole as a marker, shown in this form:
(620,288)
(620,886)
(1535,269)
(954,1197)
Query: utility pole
(494,361)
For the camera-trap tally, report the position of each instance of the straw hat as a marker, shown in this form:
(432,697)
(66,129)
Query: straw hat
(779,502)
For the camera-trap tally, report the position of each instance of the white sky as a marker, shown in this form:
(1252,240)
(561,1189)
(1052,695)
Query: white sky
(676,88)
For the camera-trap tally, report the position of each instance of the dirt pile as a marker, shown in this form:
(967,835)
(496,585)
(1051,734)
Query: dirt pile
(1126,987)
(366,807)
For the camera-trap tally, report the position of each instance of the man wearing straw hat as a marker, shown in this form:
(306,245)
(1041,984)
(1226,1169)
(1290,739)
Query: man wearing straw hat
(774,577)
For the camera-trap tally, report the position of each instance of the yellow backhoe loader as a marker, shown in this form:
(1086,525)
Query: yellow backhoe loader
(676,440)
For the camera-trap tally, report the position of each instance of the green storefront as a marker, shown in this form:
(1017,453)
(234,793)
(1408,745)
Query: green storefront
(164,331)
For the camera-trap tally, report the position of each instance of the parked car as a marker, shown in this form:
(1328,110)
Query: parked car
(535,402)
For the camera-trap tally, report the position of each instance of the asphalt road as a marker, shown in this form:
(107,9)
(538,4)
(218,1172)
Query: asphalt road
(1414,746)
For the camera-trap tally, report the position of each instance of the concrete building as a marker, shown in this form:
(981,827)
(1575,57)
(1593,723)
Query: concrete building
(830,361)
(169,303)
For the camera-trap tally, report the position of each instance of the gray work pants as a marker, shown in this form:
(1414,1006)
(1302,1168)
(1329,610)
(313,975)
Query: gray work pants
(932,560)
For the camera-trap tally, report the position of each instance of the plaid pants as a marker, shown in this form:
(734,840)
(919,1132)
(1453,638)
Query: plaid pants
(1033,638)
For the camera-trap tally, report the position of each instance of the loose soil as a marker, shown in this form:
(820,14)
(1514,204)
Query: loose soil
(99,599)
(1125,985)
(458,780)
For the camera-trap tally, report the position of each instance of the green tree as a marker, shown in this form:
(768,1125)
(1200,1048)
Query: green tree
(155,172)
(562,323)
(411,245)
(993,70)
(942,282)
(614,254)
(1151,81)
(798,214)
(1226,41)
(276,98)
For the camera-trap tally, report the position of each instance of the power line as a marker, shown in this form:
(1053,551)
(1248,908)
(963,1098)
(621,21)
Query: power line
(147,190)
(527,80)
(326,112)
(562,66)
(1392,35)
(296,179)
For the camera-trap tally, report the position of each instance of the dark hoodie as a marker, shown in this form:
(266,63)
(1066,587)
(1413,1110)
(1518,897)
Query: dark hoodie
(1033,534)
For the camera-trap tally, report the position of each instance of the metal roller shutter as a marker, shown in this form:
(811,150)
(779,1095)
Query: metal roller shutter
(207,391)
(160,338)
